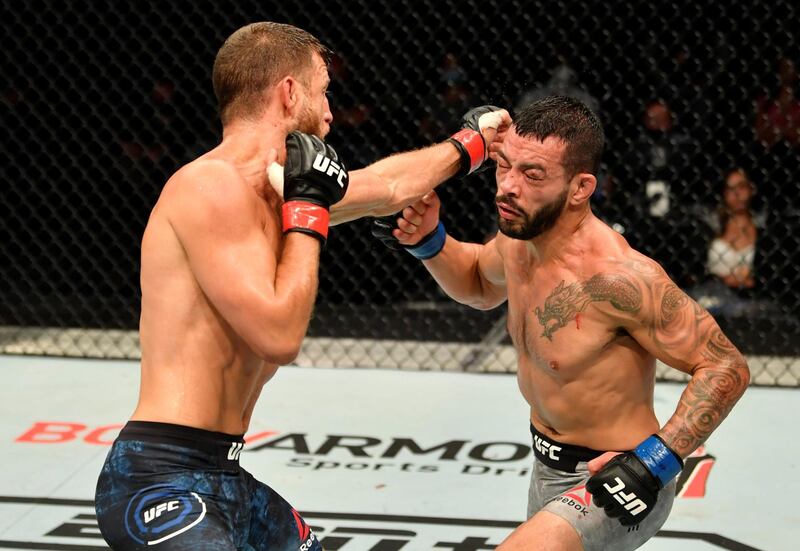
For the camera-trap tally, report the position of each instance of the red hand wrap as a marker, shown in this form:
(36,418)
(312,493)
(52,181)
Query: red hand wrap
(299,215)
(474,144)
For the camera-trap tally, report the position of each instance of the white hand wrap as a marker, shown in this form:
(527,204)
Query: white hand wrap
(275,177)
(493,119)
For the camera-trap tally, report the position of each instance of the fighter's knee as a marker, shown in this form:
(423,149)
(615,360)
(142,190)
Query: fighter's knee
(545,531)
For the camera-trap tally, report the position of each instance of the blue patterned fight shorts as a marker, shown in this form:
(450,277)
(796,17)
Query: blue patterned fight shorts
(169,487)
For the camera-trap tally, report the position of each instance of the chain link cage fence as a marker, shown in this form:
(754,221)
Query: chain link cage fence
(102,101)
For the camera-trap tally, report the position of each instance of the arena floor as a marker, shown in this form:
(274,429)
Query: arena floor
(358,452)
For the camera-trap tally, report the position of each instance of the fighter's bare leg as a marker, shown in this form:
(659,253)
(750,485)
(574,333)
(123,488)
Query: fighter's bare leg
(543,532)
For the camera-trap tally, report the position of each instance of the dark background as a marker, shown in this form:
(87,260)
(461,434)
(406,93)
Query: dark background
(103,101)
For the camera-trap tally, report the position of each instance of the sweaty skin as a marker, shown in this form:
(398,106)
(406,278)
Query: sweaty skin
(588,315)
(205,354)
(226,297)
(587,380)
(196,370)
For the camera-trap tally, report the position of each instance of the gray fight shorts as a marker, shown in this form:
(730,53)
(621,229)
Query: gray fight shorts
(558,485)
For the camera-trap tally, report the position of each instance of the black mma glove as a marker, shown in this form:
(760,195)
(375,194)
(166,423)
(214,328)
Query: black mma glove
(428,247)
(314,179)
(469,140)
(627,486)
(382,228)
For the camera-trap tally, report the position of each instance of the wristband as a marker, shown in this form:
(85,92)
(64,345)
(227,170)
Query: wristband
(306,218)
(660,460)
(472,147)
(431,245)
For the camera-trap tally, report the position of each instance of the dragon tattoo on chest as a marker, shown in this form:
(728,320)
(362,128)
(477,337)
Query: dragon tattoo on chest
(566,301)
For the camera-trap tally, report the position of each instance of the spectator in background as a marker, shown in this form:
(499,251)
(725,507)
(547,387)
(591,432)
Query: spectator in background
(150,136)
(778,119)
(731,254)
(563,82)
(659,190)
(735,226)
(680,76)
(165,132)
(777,133)
(454,97)
(660,153)
(355,133)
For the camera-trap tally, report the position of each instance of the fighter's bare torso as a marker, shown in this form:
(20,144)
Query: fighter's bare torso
(196,370)
(588,382)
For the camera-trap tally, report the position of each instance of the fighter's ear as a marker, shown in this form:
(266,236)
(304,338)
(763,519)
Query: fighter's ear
(584,185)
(288,92)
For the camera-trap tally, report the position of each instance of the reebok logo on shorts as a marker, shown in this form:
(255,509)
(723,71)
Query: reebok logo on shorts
(577,498)
(307,537)
(308,544)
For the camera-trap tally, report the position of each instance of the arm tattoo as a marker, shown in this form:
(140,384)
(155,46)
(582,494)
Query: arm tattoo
(719,349)
(679,330)
(565,302)
(677,320)
(709,396)
(683,331)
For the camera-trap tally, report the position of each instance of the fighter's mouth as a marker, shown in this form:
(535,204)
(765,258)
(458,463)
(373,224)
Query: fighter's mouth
(506,212)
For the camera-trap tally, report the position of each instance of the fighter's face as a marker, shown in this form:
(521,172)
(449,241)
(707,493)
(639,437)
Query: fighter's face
(315,112)
(532,185)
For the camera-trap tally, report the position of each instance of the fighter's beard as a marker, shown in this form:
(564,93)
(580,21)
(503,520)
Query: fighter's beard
(311,123)
(534,224)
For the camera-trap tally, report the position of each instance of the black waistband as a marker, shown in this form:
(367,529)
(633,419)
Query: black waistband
(219,446)
(564,457)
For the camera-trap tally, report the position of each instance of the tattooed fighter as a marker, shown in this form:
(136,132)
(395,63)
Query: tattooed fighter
(588,317)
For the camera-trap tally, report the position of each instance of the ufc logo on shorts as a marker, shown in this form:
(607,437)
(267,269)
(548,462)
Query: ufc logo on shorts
(329,167)
(630,501)
(155,512)
(546,448)
(235,451)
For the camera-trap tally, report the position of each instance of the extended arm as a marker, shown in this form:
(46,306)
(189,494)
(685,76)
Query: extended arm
(470,273)
(392,183)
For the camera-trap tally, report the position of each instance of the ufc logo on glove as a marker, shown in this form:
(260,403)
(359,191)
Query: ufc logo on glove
(630,501)
(329,167)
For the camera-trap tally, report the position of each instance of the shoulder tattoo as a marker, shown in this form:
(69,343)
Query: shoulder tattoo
(566,301)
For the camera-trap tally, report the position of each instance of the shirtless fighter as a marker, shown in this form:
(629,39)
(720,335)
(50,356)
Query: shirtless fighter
(229,278)
(588,317)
